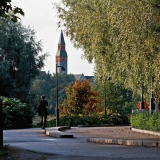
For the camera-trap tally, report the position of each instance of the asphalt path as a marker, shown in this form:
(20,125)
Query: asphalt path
(74,148)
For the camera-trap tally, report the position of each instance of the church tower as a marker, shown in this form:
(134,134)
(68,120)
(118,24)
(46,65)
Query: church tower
(61,55)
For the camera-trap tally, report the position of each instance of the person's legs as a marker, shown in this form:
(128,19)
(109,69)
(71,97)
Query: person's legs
(41,117)
(44,121)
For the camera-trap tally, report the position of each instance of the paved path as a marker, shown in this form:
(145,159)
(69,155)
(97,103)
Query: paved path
(78,148)
(122,135)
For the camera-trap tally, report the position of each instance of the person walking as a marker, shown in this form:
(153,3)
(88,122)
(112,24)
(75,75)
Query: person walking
(42,111)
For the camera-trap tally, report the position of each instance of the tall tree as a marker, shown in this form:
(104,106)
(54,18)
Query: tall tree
(20,59)
(113,97)
(7,11)
(45,84)
(121,37)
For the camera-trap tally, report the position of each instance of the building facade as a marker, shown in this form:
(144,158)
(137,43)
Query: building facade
(61,55)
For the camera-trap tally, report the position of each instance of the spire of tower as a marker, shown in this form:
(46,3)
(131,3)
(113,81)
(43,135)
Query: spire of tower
(61,55)
(61,39)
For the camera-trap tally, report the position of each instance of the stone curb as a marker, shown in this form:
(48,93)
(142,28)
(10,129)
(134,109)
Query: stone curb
(144,143)
(146,131)
(58,132)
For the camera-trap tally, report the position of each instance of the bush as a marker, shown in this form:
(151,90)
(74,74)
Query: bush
(16,114)
(75,120)
(144,120)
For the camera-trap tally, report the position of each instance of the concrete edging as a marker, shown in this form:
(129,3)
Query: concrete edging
(144,143)
(146,131)
(57,132)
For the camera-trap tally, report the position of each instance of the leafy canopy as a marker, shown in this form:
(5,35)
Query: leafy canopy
(7,11)
(20,61)
(81,99)
(120,37)
(45,84)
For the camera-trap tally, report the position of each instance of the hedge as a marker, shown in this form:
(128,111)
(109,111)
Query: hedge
(16,114)
(146,121)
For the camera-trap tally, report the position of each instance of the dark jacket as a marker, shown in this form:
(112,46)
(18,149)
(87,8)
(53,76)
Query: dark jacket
(42,110)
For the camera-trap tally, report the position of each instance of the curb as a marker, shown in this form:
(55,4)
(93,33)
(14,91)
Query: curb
(144,143)
(57,132)
(146,131)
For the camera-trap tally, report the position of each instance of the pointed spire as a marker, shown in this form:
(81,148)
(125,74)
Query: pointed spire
(61,39)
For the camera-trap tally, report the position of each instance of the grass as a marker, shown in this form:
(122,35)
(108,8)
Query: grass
(4,151)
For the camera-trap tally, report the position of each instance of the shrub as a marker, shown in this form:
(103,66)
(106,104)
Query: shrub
(144,120)
(75,120)
(16,114)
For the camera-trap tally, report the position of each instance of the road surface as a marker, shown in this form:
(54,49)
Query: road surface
(74,148)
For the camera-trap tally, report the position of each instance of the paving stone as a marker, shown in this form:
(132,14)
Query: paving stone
(150,144)
(111,141)
(121,141)
(137,143)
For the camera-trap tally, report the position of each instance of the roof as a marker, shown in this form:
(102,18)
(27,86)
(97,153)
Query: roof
(61,39)
(81,77)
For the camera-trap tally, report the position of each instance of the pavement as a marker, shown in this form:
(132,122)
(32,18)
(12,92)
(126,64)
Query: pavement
(109,135)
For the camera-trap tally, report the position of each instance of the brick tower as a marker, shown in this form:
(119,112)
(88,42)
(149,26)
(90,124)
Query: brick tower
(61,55)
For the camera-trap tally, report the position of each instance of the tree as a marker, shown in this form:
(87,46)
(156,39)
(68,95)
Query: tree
(115,98)
(7,11)
(121,37)
(45,84)
(20,59)
(63,81)
(41,85)
(81,99)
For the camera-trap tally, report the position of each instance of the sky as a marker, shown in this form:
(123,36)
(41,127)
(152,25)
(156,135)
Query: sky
(41,16)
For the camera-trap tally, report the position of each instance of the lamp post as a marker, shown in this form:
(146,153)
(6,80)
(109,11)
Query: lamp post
(57,110)
(104,99)
(152,105)
(1,126)
(142,99)
(108,79)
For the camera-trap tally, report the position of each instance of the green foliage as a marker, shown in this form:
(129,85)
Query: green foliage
(110,119)
(7,11)
(20,61)
(121,37)
(45,84)
(16,114)
(75,120)
(117,97)
(131,105)
(146,121)
(64,80)
(51,123)
(3,151)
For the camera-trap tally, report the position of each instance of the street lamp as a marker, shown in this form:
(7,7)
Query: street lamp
(109,78)
(57,110)
(152,105)
(142,99)
(104,99)
(1,126)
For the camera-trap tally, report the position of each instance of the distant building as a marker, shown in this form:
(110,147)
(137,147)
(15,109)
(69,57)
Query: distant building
(62,60)
(82,77)
(61,55)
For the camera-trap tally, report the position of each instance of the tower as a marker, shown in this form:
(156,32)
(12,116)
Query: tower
(61,55)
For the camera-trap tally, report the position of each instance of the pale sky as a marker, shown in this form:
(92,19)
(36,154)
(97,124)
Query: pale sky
(40,16)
